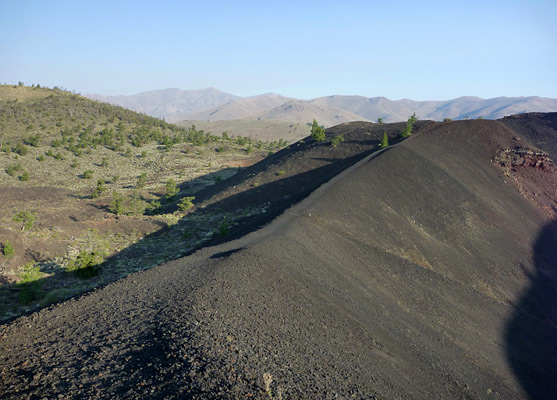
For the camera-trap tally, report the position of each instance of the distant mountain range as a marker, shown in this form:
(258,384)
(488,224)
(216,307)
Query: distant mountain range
(214,105)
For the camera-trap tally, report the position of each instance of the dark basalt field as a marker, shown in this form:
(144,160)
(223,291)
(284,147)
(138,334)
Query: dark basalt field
(423,271)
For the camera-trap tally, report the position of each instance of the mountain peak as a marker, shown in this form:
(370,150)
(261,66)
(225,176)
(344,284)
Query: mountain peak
(212,104)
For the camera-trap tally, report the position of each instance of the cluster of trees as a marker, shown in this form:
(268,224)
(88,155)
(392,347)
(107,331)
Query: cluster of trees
(83,123)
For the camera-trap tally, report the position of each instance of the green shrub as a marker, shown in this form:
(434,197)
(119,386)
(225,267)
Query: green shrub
(27,218)
(93,250)
(136,205)
(33,140)
(384,141)
(154,206)
(24,176)
(30,283)
(88,174)
(13,169)
(336,140)
(21,149)
(186,203)
(8,250)
(86,265)
(117,204)
(224,227)
(41,158)
(141,181)
(99,189)
(171,189)
(30,273)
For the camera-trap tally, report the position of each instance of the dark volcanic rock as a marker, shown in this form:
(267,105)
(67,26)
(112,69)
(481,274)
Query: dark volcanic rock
(419,272)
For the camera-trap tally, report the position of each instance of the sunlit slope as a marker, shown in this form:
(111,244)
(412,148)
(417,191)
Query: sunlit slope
(397,278)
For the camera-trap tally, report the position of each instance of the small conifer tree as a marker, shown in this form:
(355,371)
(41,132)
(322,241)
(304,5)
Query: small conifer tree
(409,124)
(317,132)
(384,141)
(171,189)
(186,203)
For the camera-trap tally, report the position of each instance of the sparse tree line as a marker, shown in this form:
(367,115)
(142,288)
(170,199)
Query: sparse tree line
(109,124)
(72,125)
(81,139)
(318,132)
(137,204)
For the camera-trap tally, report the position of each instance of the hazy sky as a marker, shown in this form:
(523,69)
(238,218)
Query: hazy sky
(423,50)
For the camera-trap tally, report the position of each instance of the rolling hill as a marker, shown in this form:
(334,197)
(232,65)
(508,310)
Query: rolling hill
(459,108)
(424,270)
(258,129)
(241,109)
(170,104)
(213,105)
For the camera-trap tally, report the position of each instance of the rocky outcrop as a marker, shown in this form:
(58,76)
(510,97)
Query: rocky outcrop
(524,157)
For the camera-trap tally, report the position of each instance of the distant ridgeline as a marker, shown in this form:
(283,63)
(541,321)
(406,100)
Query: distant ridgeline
(214,105)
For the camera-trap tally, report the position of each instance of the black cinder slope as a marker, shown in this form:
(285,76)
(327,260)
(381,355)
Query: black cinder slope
(397,279)
(414,274)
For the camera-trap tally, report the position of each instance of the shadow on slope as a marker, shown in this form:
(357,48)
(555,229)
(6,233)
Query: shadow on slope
(395,280)
(223,211)
(538,128)
(531,335)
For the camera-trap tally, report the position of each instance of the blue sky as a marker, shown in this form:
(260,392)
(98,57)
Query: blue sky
(423,50)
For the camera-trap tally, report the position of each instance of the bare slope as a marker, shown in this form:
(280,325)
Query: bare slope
(170,104)
(243,108)
(537,128)
(265,130)
(421,272)
(402,278)
(460,108)
(301,111)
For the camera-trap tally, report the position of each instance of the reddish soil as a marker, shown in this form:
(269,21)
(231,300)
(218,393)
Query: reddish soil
(62,216)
